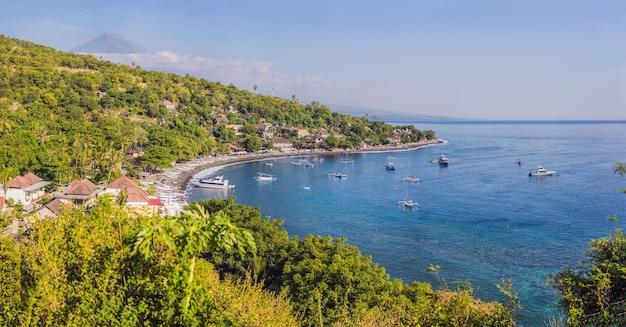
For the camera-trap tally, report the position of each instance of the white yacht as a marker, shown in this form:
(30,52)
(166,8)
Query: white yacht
(262,177)
(218,183)
(542,172)
(443,160)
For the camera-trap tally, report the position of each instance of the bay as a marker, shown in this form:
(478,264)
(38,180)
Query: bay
(482,219)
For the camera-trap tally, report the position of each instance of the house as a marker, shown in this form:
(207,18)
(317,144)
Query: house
(50,210)
(26,189)
(168,104)
(136,198)
(265,131)
(296,132)
(282,144)
(79,192)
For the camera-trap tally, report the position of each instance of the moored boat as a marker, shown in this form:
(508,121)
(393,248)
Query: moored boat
(262,177)
(443,160)
(337,175)
(542,172)
(218,183)
(410,204)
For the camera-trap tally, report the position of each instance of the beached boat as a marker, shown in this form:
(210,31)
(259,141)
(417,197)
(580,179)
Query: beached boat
(409,204)
(262,177)
(443,160)
(337,175)
(218,183)
(411,179)
(542,172)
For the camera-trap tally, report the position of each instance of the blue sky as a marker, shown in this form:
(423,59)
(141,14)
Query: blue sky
(464,59)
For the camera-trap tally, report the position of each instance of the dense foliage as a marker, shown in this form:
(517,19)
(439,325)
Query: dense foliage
(65,116)
(112,268)
(108,268)
(331,283)
(594,293)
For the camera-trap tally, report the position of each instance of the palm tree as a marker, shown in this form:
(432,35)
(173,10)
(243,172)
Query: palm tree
(5,177)
(621,171)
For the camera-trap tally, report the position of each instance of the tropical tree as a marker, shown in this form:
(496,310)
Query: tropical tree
(189,235)
(594,293)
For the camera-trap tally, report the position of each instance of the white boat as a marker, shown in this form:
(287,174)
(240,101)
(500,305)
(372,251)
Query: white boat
(337,175)
(408,204)
(443,160)
(542,172)
(390,166)
(346,161)
(218,183)
(411,179)
(269,163)
(262,177)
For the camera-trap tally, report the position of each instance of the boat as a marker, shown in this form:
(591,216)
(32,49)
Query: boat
(542,172)
(346,161)
(262,177)
(218,183)
(408,204)
(306,187)
(411,179)
(390,166)
(443,160)
(337,175)
(269,163)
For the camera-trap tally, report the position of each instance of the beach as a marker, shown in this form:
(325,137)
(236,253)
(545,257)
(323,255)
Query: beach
(178,177)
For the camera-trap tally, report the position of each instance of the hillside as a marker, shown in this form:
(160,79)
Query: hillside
(65,116)
(73,116)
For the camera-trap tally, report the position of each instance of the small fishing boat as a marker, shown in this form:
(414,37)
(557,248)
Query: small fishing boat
(409,204)
(262,177)
(411,179)
(337,175)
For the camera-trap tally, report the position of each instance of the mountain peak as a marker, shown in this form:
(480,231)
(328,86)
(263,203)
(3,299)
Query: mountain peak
(110,43)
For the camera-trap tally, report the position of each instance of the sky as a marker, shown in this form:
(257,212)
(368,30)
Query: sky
(496,60)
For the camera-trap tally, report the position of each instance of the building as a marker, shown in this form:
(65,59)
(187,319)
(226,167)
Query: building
(26,189)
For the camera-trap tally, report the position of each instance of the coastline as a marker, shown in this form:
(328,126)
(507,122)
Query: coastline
(179,176)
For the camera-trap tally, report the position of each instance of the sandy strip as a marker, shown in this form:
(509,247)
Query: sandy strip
(178,177)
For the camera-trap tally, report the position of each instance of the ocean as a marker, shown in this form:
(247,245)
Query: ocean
(482,219)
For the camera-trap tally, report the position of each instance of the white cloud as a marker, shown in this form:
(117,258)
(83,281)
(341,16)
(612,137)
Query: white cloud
(240,73)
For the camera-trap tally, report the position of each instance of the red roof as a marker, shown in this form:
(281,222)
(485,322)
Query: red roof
(122,183)
(82,187)
(135,194)
(23,181)
(32,178)
(154,201)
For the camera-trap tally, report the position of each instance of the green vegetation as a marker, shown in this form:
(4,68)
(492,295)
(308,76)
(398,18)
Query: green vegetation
(594,293)
(112,268)
(65,116)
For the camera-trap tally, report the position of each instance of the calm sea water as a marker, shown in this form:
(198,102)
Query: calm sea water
(482,219)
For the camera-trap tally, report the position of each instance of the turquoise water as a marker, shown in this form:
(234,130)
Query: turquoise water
(482,219)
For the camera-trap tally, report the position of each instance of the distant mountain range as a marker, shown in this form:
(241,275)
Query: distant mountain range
(110,43)
(385,115)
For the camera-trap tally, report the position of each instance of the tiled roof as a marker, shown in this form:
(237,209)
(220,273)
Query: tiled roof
(122,183)
(55,206)
(82,187)
(136,194)
(23,181)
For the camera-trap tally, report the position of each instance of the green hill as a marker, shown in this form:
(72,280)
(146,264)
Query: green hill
(65,116)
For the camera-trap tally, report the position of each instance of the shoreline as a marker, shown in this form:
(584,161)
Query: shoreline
(179,176)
